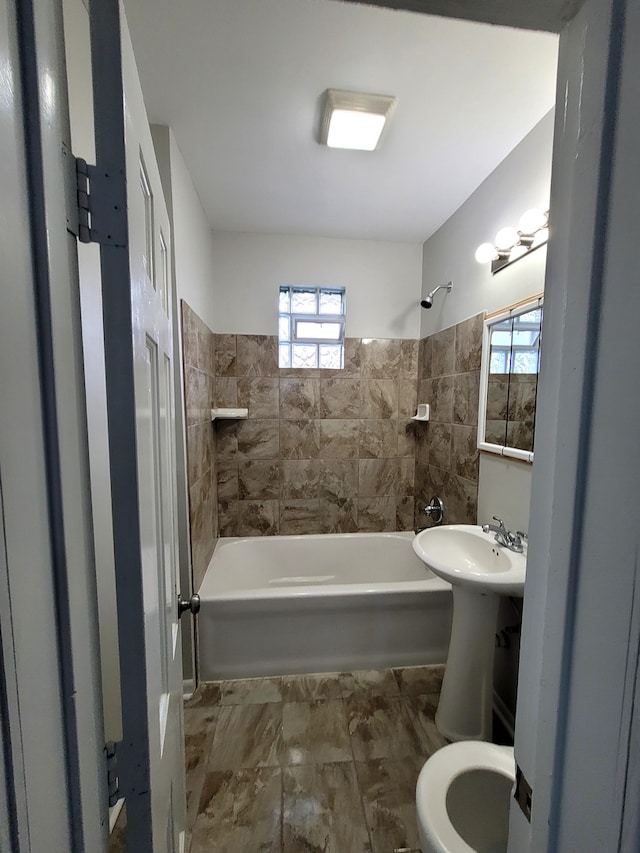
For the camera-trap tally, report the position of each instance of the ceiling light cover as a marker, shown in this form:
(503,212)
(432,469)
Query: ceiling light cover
(354,120)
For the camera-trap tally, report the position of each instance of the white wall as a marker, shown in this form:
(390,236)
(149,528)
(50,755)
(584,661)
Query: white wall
(521,181)
(505,491)
(382,279)
(193,244)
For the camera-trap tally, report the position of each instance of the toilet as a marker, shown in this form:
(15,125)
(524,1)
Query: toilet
(463,796)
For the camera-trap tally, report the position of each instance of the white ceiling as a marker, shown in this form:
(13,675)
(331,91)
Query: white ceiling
(240,82)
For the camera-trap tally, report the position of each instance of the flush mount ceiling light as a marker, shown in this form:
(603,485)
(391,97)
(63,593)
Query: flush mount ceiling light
(354,120)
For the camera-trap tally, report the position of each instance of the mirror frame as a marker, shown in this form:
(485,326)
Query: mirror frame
(491,320)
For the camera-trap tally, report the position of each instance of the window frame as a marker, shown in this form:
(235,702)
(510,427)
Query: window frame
(295,317)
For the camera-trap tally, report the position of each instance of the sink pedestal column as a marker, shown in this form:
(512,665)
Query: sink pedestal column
(466,699)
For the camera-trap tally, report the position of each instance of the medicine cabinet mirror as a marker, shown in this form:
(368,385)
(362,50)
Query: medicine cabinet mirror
(509,381)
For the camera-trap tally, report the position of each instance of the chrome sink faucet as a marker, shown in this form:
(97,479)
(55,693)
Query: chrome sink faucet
(506,538)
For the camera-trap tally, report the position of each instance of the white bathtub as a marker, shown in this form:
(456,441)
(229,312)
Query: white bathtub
(278,605)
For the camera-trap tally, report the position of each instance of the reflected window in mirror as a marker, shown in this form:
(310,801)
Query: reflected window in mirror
(509,381)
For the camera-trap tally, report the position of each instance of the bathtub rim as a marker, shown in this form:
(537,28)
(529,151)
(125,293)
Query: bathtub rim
(431,583)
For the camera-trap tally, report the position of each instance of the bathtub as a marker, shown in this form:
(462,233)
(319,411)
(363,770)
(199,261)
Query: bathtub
(279,605)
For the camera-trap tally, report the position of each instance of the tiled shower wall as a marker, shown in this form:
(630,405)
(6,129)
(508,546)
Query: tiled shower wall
(446,446)
(328,450)
(322,451)
(198,361)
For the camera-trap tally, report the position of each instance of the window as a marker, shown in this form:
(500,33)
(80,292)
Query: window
(311,327)
(515,344)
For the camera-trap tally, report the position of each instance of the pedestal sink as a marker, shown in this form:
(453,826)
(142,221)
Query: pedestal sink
(480,571)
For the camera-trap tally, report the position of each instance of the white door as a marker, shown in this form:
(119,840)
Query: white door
(151,301)
(137,300)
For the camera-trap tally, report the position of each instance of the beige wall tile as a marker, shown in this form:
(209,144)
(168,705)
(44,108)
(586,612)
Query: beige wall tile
(338,439)
(226,391)
(299,478)
(338,478)
(469,344)
(339,515)
(258,439)
(379,398)
(407,398)
(379,358)
(376,514)
(302,516)
(377,477)
(257,355)
(299,398)
(258,479)
(260,395)
(225,355)
(378,439)
(339,398)
(258,518)
(409,359)
(299,439)
(443,356)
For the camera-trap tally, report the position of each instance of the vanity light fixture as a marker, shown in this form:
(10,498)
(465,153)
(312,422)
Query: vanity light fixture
(354,120)
(514,243)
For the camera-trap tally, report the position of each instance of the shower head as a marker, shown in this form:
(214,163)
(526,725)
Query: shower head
(427,302)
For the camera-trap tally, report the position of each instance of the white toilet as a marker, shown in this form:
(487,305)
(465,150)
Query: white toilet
(463,796)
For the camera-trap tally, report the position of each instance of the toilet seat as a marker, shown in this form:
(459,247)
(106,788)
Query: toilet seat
(437,776)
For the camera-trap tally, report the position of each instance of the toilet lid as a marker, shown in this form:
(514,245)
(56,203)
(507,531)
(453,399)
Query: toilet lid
(436,778)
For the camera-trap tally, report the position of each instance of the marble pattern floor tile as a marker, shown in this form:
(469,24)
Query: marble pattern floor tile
(322,810)
(251,691)
(421,711)
(315,733)
(388,789)
(240,811)
(196,750)
(247,736)
(208,693)
(417,680)
(311,688)
(380,728)
(321,762)
(197,720)
(369,682)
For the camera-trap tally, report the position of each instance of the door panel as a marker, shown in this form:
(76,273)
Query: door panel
(151,290)
(137,293)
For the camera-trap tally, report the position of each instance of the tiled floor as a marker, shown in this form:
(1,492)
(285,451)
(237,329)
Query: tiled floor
(309,763)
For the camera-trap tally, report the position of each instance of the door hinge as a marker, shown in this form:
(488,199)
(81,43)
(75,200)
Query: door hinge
(97,208)
(113,780)
(523,794)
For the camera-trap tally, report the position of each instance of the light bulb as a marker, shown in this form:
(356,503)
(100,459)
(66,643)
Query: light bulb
(532,220)
(485,253)
(506,237)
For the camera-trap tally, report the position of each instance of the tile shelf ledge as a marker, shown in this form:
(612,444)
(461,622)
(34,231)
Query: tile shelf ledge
(229,414)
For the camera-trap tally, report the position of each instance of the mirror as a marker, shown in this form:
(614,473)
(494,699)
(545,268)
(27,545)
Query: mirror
(509,381)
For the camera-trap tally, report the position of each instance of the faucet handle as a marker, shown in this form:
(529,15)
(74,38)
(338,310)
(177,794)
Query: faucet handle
(522,535)
(500,522)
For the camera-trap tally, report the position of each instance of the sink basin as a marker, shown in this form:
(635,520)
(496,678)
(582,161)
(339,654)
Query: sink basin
(463,555)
